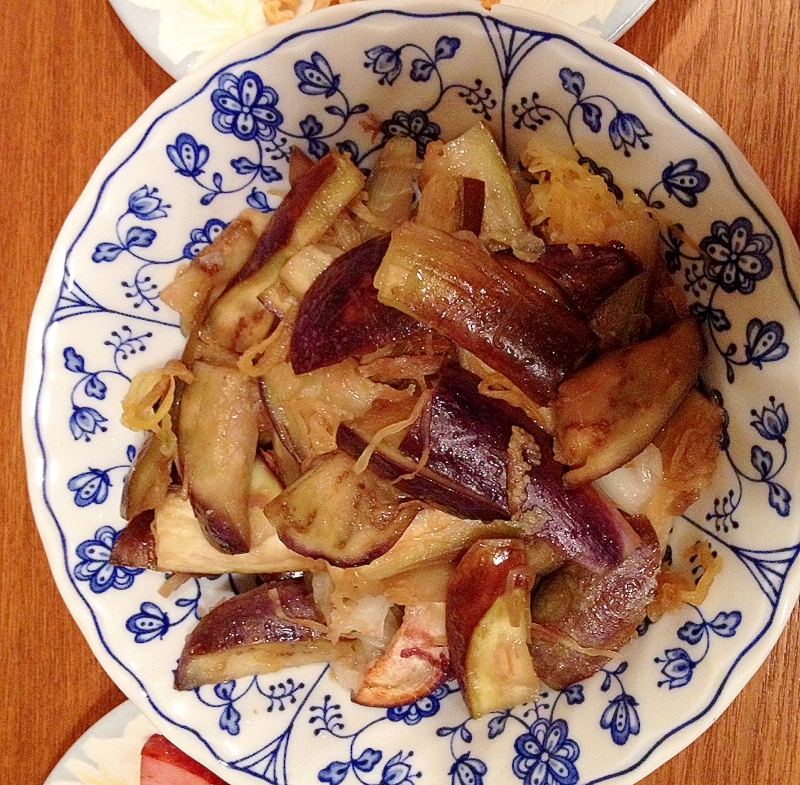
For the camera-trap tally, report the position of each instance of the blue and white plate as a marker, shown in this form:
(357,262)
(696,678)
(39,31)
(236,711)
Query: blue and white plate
(352,77)
(181,35)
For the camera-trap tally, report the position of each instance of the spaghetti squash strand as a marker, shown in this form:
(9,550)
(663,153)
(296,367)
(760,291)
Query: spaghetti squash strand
(395,427)
(675,589)
(151,395)
(497,386)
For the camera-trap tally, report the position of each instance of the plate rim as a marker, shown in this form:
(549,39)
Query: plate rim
(147,38)
(110,726)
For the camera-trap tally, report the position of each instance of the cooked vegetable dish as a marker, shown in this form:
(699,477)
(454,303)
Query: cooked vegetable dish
(444,412)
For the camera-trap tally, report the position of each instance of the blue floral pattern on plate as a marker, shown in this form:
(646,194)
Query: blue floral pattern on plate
(219,142)
(93,565)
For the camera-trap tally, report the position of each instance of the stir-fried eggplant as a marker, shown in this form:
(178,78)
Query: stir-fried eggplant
(460,290)
(135,545)
(689,444)
(238,320)
(417,480)
(475,155)
(611,410)
(587,273)
(147,481)
(533,276)
(464,438)
(575,611)
(306,409)
(340,315)
(415,663)
(623,317)
(299,164)
(408,486)
(181,546)
(270,627)
(390,185)
(170,538)
(195,290)
(488,626)
(335,514)
(435,537)
(473,198)
(217,439)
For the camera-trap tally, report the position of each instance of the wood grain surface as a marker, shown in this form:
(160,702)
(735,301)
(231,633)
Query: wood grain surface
(73,81)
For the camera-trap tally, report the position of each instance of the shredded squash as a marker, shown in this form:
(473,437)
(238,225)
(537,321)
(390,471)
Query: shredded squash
(675,588)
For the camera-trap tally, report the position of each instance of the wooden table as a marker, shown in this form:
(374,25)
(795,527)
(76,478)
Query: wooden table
(73,81)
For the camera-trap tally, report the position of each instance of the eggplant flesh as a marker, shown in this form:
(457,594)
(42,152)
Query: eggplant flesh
(475,155)
(333,513)
(390,186)
(194,291)
(305,409)
(217,440)
(415,663)
(488,619)
(340,315)
(433,538)
(608,412)
(180,545)
(289,212)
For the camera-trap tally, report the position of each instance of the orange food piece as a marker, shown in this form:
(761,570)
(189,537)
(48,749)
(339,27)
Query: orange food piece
(164,764)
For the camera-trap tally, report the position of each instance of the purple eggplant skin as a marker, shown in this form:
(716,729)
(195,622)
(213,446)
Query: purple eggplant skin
(467,295)
(592,275)
(467,436)
(421,483)
(535,362)
(135,545)
(582,524)
(270,616)
(532,276)
(250,618)
(148,480)
(474,197)
(595,611)
(340,315)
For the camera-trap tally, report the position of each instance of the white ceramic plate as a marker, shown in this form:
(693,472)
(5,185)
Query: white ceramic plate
(109,752)
(193,162)
(182,34)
